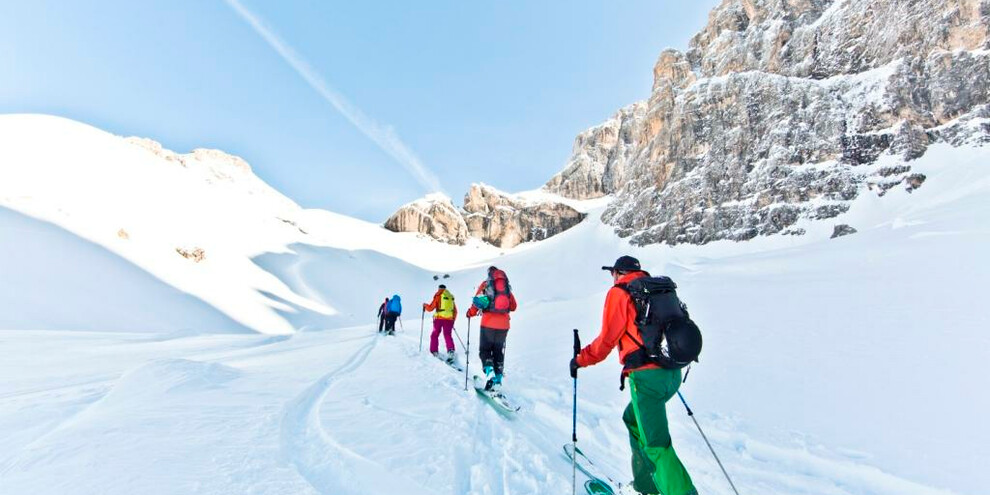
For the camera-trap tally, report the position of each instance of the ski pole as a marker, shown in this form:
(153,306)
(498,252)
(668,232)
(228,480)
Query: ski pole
(457,335)
(401,327)
(577,350)
(467,355)
(691,414)
(422,319)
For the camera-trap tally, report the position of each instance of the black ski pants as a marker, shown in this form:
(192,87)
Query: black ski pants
(390,322)
(492,349)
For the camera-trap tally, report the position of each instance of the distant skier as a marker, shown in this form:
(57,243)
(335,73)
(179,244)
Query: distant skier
(392,312)
(656,468)
(443,321)
(494,300)
(381,316)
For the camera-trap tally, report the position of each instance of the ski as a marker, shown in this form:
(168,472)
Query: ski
(497,398)
(598,487)
(453,365)
(596,484)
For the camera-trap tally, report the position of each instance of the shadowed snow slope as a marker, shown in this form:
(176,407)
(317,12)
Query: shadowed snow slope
(54,280)
(839,366)
(194,221)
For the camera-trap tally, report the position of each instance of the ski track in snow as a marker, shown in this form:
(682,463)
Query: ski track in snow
(95,388)
(303,441)
(328,465)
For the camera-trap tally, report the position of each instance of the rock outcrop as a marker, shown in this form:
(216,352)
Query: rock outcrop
(779,110)
(499,219)
(218,165)
(228,173)
(488,214)
(435,216)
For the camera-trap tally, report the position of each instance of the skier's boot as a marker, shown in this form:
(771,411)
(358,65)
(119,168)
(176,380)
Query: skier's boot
(497,382)
(436,354)
(489,376)
(450,357)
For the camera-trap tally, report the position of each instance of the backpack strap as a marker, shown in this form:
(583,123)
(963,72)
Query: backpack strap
(625,288)
(638,357)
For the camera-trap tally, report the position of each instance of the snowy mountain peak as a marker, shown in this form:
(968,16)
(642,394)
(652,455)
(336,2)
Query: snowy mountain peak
(781,113)
(223,165)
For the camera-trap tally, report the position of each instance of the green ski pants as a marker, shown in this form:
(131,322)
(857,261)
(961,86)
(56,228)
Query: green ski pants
(656,468)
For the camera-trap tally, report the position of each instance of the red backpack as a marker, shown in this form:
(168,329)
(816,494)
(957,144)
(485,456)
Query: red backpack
(498,291)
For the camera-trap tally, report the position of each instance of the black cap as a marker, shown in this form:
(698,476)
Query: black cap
(624,264)
(443,286)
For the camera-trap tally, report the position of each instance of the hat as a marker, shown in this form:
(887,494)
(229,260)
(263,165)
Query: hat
(624,264)
(443,286)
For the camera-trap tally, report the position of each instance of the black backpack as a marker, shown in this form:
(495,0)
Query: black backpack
(670,338)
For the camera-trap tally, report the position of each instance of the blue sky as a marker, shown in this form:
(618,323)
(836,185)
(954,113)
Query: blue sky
(473,91)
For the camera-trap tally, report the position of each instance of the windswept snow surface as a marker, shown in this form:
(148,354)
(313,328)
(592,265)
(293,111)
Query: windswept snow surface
(842,366)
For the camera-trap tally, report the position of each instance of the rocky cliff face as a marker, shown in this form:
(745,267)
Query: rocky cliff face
(435,216)
(597,166)
(498,218)
(488,214)
(780,110)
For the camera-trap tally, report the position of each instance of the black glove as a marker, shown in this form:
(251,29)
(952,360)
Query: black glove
(574,367)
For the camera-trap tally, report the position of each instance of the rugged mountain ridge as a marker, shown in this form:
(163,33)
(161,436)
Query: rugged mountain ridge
(787,110)
(597,166)
(488,214)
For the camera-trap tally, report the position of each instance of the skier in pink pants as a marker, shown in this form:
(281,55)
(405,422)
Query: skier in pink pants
(445,312)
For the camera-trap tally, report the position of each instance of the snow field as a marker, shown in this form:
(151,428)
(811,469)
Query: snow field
(844,366)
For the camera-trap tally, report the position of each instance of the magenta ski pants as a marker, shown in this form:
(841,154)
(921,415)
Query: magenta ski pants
(441,325)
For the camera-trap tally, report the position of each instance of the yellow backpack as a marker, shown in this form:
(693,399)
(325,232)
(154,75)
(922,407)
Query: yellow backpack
(446,309)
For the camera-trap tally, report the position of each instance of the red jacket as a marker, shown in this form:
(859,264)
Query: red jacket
(494,321)
(618,327)
(435,305)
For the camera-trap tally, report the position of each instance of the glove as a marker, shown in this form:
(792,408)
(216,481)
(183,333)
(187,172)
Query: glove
(424,306)
(574,367)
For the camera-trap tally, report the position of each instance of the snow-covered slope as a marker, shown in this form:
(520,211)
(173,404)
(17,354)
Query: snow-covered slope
(196,222)
(51,279)
(831,366)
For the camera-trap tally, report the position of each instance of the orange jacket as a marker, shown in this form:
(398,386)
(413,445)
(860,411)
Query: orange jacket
(618,327)
(494,321)
(435,305)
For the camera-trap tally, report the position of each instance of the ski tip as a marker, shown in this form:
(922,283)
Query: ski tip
(570,448)
(598,487)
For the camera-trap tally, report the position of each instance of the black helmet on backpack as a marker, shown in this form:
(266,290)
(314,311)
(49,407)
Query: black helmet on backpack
(683,339)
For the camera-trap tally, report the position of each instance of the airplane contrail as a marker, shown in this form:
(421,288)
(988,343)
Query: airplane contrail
(383,135)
